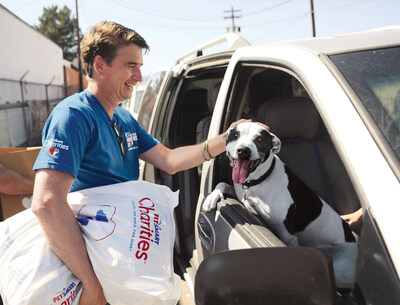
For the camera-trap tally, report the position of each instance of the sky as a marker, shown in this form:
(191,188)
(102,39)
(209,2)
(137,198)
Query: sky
(173,27)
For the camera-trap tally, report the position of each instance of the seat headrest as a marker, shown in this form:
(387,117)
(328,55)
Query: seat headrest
(212,95)
(195,100)
(290,117)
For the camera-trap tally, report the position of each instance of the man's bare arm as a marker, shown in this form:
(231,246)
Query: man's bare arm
(62,230)
(182,158)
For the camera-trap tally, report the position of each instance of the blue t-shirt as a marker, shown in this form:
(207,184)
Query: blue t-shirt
(78,138)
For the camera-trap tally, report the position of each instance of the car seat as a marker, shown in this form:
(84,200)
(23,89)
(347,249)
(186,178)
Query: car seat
(308,151)
(203,125)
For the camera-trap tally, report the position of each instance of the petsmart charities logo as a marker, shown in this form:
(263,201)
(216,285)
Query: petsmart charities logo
(55,146)
(66,296)
(103,215)
(8,241)
(149,228)
(131,140)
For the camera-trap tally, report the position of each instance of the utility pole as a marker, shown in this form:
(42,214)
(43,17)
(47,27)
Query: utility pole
(79,49)
(312,18)
(233,16)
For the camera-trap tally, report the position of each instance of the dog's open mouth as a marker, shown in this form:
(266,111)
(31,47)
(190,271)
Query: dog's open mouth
(242,169)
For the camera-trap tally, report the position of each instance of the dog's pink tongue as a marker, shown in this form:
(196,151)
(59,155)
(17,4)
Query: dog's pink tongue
(239,172)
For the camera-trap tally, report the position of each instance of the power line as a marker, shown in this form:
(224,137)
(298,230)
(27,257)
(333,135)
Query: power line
(161,14)
(163,26)
(277,20)
(267,8)
(345,5)
(283,27)
(25,5)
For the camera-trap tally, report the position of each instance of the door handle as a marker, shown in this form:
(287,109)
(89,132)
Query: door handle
(205,239)
(206,233)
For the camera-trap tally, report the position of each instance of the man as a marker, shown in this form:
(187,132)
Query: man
(85,145)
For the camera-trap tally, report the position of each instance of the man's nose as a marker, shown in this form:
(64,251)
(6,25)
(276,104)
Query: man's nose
(137,75)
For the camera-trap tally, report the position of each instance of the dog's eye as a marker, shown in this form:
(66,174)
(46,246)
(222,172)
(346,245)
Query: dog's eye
(235,135)
(259,139)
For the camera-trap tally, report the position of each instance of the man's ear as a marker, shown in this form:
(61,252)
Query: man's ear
(276,144)
(99,64)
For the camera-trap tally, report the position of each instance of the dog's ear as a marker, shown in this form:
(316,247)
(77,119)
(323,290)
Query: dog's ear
(276,144)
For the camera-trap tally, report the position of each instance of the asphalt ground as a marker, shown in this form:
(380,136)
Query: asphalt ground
(186,295)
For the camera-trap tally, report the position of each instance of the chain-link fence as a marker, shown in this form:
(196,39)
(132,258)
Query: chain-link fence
(24,109)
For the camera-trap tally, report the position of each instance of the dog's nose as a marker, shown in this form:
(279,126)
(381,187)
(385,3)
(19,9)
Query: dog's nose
(243,152)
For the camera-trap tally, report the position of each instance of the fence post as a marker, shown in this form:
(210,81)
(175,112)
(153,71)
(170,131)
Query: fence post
(27,129)
(47,96)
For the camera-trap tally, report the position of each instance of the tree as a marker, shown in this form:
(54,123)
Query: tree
(60,27)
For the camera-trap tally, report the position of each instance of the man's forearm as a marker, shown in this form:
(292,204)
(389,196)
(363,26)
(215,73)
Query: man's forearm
(191,156)
(59,223)
(182,158)
(65,239)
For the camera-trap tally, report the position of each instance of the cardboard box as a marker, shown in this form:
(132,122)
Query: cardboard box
(20,160)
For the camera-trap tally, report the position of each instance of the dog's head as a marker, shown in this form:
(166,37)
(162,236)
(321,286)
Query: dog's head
(248,146)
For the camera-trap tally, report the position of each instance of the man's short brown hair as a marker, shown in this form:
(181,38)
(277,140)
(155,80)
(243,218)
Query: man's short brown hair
(105,39)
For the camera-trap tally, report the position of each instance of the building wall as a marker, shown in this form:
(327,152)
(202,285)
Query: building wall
(31,80)
(25,49)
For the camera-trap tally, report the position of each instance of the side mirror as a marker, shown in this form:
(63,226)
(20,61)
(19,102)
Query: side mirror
(273,276)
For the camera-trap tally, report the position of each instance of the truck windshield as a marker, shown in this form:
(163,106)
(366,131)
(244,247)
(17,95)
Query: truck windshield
(374,75)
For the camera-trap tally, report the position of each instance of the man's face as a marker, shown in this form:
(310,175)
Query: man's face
(124,73)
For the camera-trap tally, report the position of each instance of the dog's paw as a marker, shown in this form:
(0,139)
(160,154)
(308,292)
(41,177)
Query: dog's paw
(211,201)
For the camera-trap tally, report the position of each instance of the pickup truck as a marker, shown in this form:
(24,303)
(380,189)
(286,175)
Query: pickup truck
(335,104)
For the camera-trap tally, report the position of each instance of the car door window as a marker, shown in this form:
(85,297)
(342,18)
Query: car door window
(149,99)
(374,75)
(276,97)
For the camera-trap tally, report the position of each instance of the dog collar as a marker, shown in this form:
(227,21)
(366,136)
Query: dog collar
(250,183)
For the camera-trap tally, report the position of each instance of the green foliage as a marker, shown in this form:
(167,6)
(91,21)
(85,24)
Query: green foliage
(60,27)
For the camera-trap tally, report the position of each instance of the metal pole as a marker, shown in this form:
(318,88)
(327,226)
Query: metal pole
(312,18)
(22,86)
(27,126)
(233,16)
(47,96)
(79,49)
(233,19)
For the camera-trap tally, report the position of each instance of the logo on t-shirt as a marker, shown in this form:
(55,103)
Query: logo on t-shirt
(54,151)
(55,146)
(131,140)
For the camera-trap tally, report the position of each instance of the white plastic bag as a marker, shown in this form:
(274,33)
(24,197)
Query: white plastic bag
(129,232)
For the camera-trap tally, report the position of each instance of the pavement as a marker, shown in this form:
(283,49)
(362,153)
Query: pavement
(186,295)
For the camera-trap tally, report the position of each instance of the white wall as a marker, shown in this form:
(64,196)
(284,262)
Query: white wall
(22,48)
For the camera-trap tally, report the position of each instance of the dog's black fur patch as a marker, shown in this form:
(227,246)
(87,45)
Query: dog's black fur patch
(264,143)
(306,207)
(233,135)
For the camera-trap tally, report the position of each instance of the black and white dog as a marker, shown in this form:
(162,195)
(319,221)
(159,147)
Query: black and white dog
(267,187)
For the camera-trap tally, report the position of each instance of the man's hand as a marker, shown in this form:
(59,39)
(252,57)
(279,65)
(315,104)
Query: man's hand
(353,218)
(93,296)
(226,133)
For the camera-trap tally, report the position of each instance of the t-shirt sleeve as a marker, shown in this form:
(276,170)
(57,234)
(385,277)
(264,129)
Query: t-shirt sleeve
(145,140)
(64,140)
